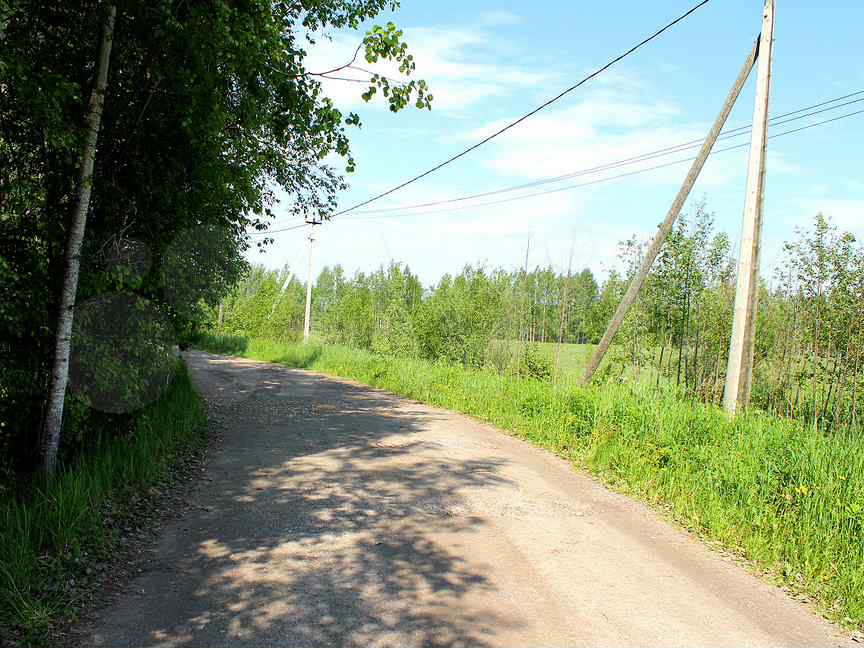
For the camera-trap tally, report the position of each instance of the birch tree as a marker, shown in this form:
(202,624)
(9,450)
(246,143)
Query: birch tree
(53,419)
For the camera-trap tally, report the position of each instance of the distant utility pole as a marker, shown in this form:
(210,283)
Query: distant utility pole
(307,323)
(666,227)
(739,370)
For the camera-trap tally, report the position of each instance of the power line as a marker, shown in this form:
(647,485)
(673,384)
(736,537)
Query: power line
(619,163)
(283,229)
(735,132)
(777,120)
(533,112)
(599,180)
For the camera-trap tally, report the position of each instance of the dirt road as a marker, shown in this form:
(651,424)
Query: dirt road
(336,515)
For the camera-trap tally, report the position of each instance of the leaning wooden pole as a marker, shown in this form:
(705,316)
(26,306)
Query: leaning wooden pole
(739,370)
(53,418)
(671,216)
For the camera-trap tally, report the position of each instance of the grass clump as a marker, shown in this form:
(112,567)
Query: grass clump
(48,537)
(778,492)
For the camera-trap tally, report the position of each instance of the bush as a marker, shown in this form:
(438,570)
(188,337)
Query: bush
(534,365)
(499,356)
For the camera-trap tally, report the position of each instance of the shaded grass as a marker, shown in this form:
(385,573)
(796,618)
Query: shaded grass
(777,492)
(226,344)
(43,536)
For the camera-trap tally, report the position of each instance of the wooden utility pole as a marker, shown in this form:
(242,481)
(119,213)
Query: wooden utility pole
(666,227)
(307,322)
(53,418)
(739,370)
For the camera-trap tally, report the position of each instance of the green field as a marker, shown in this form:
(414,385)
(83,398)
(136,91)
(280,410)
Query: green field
(777,492)
(568,361)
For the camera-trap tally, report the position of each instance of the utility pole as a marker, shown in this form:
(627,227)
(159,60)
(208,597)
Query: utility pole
(739,370)
(671,216)
(307,323)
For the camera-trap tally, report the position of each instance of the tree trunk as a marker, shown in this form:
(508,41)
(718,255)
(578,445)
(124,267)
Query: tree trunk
(716,394)
(53,418)
(694,369)
(660,364)
(563,309)
(816,350)
(853,412)
(545,301)
(785,370)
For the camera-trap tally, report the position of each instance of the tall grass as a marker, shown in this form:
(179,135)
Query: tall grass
(777,492)
(61,518)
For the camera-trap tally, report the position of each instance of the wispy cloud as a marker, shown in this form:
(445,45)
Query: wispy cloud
(462,67)
(608,124)
(846,213)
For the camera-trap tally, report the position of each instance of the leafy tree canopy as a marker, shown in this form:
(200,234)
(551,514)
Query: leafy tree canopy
(210,111)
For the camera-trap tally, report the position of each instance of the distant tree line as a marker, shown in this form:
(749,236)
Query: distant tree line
(809,361)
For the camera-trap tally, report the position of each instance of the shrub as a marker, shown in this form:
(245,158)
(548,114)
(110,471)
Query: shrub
(534,365)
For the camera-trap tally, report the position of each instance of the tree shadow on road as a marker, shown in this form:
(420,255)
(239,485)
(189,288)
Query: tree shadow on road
(327,523)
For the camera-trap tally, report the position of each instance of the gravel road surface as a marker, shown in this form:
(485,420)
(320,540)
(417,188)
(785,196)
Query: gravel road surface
(335,515)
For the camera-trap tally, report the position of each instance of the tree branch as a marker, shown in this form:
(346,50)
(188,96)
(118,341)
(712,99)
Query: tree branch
(341,67)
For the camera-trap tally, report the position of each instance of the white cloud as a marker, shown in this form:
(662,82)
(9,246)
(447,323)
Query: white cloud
(602,128)
(778,163)
(611,124)
(460,66)
(618,116)
(846,213)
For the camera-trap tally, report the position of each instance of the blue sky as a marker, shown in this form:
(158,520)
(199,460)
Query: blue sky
(489,62)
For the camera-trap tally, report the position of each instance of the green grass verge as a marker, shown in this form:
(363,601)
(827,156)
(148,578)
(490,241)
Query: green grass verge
(43,537)
(776,492)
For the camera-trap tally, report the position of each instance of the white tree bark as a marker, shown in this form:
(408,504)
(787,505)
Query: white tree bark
(53,418)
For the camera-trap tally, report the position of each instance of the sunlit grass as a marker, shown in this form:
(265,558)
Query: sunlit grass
(777,492)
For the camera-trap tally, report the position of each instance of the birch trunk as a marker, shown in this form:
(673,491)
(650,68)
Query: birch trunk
(563,309)
(53,419)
